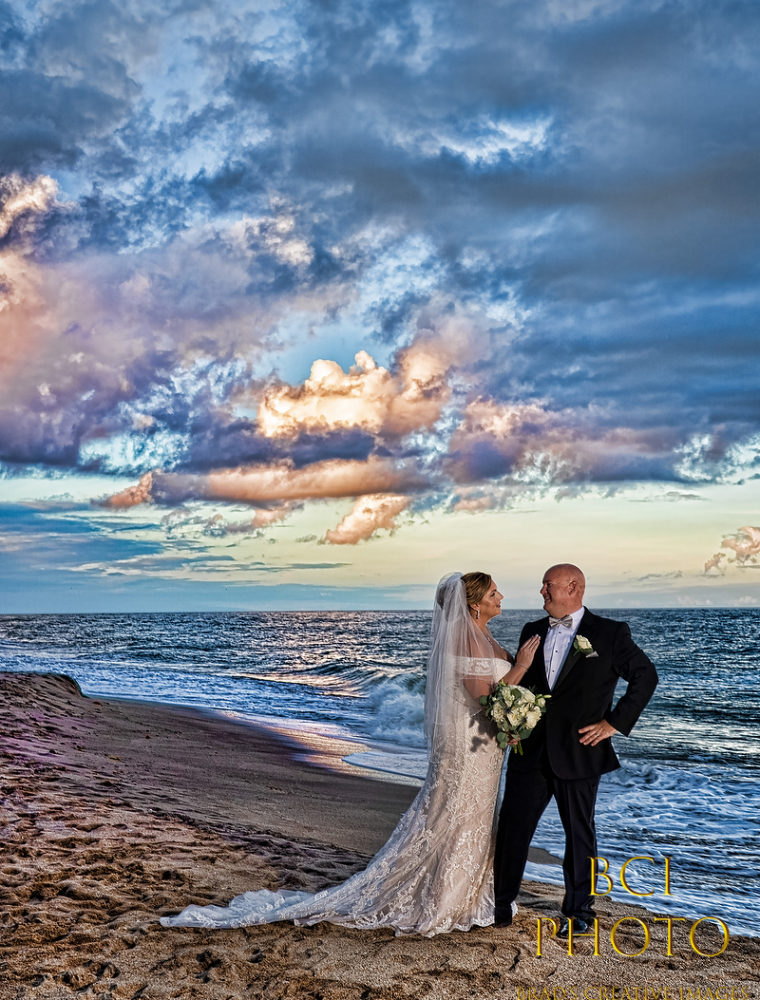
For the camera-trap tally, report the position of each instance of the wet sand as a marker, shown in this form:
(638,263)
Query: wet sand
(113,813)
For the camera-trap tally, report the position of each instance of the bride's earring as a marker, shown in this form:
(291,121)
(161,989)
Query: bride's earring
(477,614)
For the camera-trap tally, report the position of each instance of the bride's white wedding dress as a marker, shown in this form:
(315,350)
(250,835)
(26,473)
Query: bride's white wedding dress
(435,872)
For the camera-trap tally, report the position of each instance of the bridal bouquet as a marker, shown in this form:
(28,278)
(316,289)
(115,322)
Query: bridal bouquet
(515,710)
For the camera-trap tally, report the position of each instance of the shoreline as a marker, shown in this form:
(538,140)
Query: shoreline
(115,812)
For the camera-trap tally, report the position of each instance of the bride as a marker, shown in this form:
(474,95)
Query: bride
(434,874)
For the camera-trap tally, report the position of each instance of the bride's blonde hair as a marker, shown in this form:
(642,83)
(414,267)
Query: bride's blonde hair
(475,586)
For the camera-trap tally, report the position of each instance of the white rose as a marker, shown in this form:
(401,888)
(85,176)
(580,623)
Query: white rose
(499,713)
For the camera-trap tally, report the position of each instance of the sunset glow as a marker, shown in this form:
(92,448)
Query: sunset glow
(296,311)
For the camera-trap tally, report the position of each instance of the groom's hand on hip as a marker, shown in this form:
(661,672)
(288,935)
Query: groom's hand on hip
(591,735)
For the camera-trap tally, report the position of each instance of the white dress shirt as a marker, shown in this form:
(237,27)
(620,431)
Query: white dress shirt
(557,644)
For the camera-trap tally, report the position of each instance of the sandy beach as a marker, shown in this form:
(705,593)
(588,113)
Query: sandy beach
(114,813)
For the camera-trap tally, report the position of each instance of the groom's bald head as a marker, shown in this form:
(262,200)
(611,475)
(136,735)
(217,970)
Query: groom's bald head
(562,589)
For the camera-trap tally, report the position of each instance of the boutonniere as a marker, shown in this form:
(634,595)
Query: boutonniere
(583,646)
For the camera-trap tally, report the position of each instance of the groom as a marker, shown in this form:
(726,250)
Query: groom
(579,660)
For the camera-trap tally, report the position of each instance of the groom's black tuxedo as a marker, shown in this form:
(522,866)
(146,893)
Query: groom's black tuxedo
(582,695)
(555,762)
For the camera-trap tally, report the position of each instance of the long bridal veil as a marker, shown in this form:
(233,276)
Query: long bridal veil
(434,874)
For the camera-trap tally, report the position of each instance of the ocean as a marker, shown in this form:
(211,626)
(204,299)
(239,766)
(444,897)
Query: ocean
(687,789)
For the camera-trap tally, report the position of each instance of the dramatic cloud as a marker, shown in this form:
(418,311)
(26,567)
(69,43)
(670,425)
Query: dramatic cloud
(367,397)
(532,227)
(267,484)
(424,443)
(536,445)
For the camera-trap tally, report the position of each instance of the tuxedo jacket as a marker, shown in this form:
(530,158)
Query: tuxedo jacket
(582,695)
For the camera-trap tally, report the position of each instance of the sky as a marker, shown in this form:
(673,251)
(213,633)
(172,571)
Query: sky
(305,304)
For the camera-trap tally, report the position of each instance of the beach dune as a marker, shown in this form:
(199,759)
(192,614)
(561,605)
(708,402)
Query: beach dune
(114,813)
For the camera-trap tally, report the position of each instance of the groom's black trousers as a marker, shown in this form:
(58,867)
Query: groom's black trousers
(526,795)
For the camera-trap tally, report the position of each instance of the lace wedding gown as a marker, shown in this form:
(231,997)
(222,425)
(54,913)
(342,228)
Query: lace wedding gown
(435,873)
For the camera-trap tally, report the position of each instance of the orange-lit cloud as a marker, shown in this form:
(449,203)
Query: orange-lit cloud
(367,396)
(332,478)
(280,487)
(132,495)
(474,505)
(714,561)
(370,514)
(744,543)
(496,449)
(279,482)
